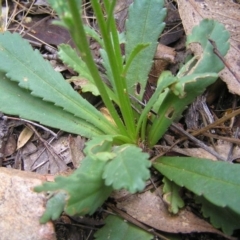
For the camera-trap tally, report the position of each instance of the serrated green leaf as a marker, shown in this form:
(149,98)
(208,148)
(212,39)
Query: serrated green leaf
(144,26)
(194,83)
(210,29)
(128,170)
(37,75)
(18,101)
(166,79)
(171,196)
(173,105)
(118,229)
(71,58)
(85,188)
(132,55)
(86,86)
(55,207)
(62,9)
(218,182)
(92,33)
(223,218)
(100,148)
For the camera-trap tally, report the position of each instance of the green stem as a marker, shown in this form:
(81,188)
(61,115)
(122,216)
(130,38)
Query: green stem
(120,83)
(81,42)
(111,27)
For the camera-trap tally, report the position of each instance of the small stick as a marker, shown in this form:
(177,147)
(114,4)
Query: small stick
(216,123)
(199,143)
(215,50)
(33,123)
(191,137)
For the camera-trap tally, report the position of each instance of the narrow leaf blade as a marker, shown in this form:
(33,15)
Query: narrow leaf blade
(144,26)
(218,182)
(37,75)
(18,101)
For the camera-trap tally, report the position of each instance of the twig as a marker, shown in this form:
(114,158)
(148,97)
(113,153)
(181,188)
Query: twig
(47,146)
(213,125)
(198,142)
(33,123)
(215,50)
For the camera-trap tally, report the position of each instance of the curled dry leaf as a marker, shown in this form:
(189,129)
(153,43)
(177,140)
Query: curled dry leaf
(226,12)
(24,137)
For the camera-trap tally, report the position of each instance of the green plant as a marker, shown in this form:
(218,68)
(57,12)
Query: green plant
(30,88)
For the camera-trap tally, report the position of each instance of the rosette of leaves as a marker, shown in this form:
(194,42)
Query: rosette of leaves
(30,88)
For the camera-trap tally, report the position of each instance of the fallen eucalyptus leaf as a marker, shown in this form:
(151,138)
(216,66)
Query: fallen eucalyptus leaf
(150,209)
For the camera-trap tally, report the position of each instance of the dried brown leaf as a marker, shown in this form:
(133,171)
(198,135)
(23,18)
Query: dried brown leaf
(24,137)
(226,12)
(149,209)
(10,146)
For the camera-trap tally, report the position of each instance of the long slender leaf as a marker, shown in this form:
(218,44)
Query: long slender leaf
(71,58)
(218,182)
(32,72)
(144,26)
(19,101)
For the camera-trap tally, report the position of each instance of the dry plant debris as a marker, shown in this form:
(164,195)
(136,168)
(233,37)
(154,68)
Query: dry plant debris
(149,209)
(226,12)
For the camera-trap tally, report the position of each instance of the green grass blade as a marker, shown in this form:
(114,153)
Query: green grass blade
(217,181)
